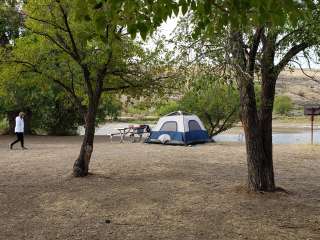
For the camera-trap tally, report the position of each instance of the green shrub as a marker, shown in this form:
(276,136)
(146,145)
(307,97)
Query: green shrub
(4,126)
(214,101)
(166,107)
(283,105)
(140,107)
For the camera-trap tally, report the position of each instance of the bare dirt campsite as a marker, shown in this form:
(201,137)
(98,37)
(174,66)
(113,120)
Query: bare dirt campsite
(139,191)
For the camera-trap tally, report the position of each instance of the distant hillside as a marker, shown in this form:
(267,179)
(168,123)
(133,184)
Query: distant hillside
(300,88)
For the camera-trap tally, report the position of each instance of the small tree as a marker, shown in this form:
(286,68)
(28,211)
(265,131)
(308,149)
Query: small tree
(214,101)
(283,105)
(166,107)
(83,47)
(211,98)
(49,109)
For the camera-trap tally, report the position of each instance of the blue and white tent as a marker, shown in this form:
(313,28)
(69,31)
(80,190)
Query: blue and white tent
(179,128)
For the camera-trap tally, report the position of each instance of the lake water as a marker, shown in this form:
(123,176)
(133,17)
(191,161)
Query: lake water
(300,137)
(294,136)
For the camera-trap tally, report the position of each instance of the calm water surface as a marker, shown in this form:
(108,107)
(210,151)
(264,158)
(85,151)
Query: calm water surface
(294,136)
(299,137)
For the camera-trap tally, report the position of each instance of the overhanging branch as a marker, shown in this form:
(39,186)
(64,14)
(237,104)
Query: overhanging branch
(47,22)
(290,54)
(304,73)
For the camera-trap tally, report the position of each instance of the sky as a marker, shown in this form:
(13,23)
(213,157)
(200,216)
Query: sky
(167,28)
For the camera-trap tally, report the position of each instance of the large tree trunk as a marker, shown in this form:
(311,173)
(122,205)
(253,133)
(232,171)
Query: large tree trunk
(260,167)
(81,165)
(259,159)
(265,121)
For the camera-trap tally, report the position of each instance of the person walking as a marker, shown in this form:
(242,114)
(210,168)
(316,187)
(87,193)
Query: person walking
(19,130)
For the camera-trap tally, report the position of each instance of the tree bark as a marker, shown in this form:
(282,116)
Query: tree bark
(258,142)
(265,121)
(259,162)
(81,165)
(11,116)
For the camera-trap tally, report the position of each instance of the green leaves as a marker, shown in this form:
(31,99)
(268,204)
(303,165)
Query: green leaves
(243,14)
(100,22)
(184,6)
(143,29)
(10,22)
(132,29)
(283,105)
(215,102)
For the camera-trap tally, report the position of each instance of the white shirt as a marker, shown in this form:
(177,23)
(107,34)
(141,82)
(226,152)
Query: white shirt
(19,125)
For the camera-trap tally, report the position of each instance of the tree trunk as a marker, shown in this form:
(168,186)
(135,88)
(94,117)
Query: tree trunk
(260,172)
(265,121)
(81,165)
(27,122)
(260,168)
(11,116)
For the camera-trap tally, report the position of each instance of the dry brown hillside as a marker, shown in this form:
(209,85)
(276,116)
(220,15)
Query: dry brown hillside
(299,87)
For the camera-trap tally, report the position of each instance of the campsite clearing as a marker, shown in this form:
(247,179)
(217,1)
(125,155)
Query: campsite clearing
(140,191)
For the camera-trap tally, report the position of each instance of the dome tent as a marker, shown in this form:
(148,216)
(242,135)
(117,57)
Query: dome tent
(179,128)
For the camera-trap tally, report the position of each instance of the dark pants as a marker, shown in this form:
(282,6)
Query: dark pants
(19,139)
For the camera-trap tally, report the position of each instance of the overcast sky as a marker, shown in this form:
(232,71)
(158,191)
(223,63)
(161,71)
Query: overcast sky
(167,28)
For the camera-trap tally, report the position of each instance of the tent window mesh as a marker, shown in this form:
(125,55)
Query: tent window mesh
(194,125)
(169,126)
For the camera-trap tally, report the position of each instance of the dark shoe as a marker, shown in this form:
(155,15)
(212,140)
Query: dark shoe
(10,146)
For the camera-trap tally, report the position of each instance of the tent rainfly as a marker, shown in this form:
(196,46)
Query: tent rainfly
(179,128)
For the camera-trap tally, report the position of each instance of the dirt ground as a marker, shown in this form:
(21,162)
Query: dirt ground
(138,191)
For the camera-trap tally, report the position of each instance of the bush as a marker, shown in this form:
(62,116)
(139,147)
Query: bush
(283,105)
(4,126)
(110,106)
(215,102)
(139,107)
(164,108)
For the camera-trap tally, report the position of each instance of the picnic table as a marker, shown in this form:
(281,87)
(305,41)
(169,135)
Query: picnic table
(132,132)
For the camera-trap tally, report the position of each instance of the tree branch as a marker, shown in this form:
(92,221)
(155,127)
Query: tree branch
(254,48)
(304,73)
(65,19)
(285,37)
(54,41)
(115,89)
(290,54)
(222,127)
(47,22)
(33,69)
